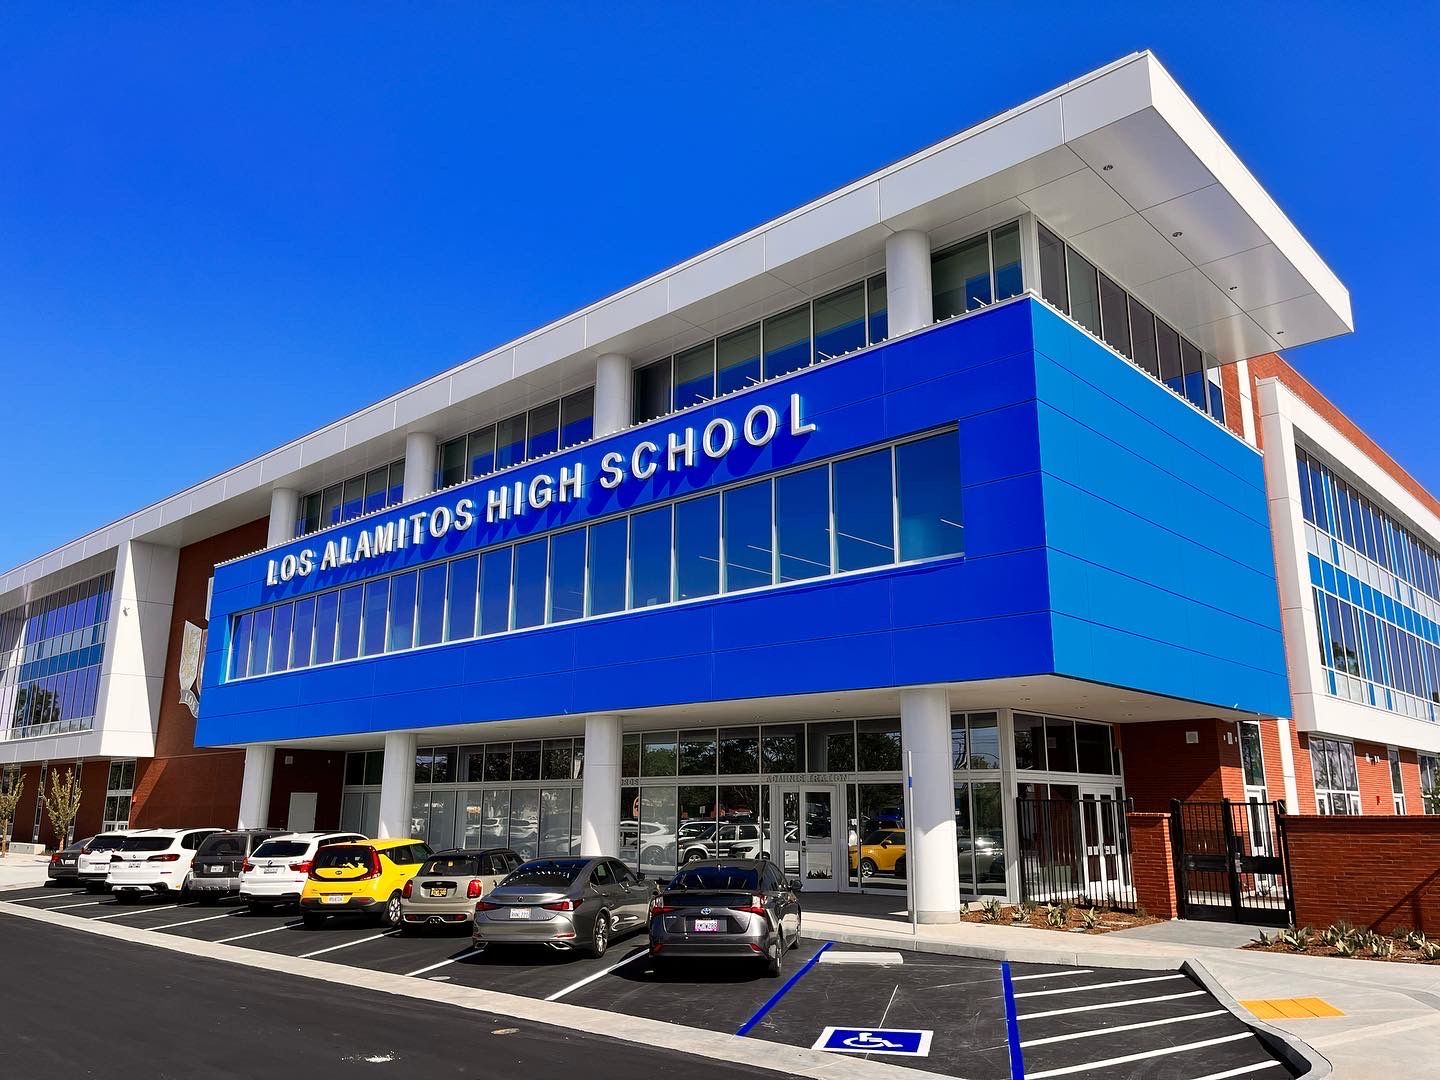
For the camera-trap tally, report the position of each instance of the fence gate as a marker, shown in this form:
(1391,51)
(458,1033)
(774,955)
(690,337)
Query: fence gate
(1230,861)
(1075,851)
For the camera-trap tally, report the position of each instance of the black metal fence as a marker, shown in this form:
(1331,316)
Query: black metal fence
(1231,861)
(1075,851)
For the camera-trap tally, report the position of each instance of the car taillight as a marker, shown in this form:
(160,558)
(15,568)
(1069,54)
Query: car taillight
(659,907)
(374,864)
(485,905)
(302,867)
(169,856)
(756,906)
(473,889)
(408,890)
(247,866)
(54,858)
(563,905)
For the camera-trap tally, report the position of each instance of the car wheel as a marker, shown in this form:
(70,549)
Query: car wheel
(774,963)
(900,866)
(694,856)
(599,937)
(394,914)
(795,944)
(867,868)
(313,920)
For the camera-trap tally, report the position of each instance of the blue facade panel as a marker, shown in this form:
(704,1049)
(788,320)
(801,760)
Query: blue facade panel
(1112,533)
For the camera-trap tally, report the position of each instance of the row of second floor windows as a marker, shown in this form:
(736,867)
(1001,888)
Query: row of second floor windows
(567,421)
(1400,670)
(1338,508)
(63,621)
(964,277)
(898,503)
(1070,282)
(361,494)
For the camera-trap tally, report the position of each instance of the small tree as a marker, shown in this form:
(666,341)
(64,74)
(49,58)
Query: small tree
(10,789)
(62,803)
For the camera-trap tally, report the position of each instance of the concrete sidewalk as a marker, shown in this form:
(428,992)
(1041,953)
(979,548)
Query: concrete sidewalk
(1391,1025)
(23,871)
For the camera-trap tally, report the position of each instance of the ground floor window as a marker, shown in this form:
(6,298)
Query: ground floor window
(119,787)
(1430,783)
(1397,787)
(1337,786)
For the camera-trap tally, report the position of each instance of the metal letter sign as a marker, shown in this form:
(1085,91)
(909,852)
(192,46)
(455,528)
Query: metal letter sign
(903,1042)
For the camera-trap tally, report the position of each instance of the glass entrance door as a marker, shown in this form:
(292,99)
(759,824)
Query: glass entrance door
(1101,837)
(806,823)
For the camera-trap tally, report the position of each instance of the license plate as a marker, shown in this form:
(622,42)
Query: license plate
(335,898)
(519,912)
(707,926)
(439,892)
(67,862)
(217,869)
(272,869)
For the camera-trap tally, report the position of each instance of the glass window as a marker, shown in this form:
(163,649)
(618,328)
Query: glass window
(877,745)
(607,566)
(577,417)
(984,741)
(739,751)
(1252,763)
(495,590)
(353,498)
(840,322)
(630,755)
(988,838)
(260,642)
(330,506)
(787,342)
(495,822)
(430,619)
(402,612)
(748,551)
(697,752)
(472,764)
(309,515)
(374,766)
(1005,249)
(556,760)
(510,441)
(481,451)
(1142,338)
(377,488)
(327,608)
(1084,291)
(1052,269)
(695,375)
(864,521)
(567,576)
(531,563)
(1114,315)
(960,277)
(1192,365)
(1060,744)
(525,821)
(652,391)
(1167,344)
(657,852)
(782,748)
(462,588)
(832,747)
(650,557)
(396,493)
(657,753)
(1092,742)
(497,763)
(354,771)
(1029,741)
(878,326)
(928,471)
(240,646)
(802,523)
(544,430)
(443,762)
(697,547)
(377,598)
(304,633)
(525,761)
(737,360)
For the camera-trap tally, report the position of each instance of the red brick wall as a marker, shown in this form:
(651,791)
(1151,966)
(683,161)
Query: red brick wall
(320,771)
(1230,395)
(1152,863)
(1160,765)
(183,785)
(1376,795)
(93,780)
(1410,781)
(22,828)
(1379,872)
(1304,776)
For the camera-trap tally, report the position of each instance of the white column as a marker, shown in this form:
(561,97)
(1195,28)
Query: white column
(908,295)
(930,838)
(614,388)
(1009,791)
(284,511)
(397,786)
(600,797)
(255,786)
(420,450)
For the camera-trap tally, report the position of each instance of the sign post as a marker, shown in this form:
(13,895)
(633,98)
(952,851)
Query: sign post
(910,842)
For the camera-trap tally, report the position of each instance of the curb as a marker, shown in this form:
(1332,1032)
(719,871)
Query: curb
(1306,1062)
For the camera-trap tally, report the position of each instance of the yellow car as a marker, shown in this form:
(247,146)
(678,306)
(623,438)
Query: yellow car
(365,878)
(880,852)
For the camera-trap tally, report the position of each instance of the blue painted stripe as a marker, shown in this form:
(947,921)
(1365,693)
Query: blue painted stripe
(775,997)
(1012,1026)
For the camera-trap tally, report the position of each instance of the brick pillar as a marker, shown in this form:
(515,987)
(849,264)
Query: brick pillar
(1152,863)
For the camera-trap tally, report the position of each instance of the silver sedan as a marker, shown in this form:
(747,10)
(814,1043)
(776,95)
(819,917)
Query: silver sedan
(566,904)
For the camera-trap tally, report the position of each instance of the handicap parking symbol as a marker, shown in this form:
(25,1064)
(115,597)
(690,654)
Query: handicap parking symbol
(904,1042)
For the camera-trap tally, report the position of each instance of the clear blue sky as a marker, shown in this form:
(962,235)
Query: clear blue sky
(220,229)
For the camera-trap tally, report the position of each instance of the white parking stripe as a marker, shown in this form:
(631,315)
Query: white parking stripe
(27,899)
(1243,1070)
(192,922)
(346,945)
(1097,986)
(1108,1005)
(1162,1052)
(641,951)
(257,933)
(443,963)
(67,907)
(1122,1027)
(1052,974)
(133,911)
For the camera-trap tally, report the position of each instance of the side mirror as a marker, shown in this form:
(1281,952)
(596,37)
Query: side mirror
(639,877)
(796,884)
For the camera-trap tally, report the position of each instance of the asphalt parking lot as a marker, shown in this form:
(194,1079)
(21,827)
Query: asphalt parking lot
(989,1021)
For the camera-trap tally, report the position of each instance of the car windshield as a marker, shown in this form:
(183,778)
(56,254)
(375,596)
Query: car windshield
(343,857)
(146,843)
(553,874)
(281,849)
(107,842)
(882,835)
(458,865)
(223,844)
(717,877)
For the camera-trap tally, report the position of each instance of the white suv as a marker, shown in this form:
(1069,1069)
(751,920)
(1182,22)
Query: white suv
(276,871)
(154,861)
(93,863)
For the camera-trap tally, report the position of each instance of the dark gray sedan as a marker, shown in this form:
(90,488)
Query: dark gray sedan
(63,864)
(564,903)
(716,908)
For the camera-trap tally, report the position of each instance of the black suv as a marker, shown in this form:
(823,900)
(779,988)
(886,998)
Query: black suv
(215,872)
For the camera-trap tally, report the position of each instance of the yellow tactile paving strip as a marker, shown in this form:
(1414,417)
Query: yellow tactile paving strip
(1305,1008)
